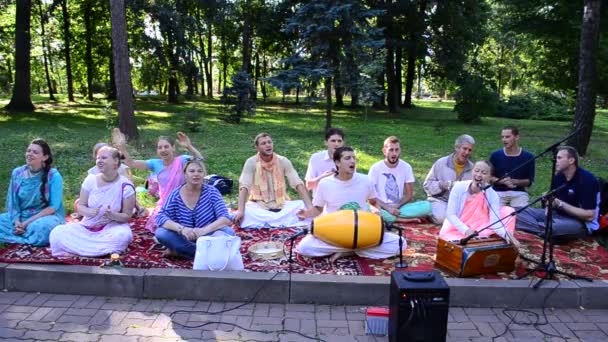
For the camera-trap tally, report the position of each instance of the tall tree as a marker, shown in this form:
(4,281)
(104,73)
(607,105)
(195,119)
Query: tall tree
(586,95)
(88,26)
(66,47)
(45,51)
(122,70)
(21,99)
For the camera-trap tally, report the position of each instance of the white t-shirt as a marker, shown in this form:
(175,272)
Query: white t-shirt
(332,193)
(319,162)
(389,182)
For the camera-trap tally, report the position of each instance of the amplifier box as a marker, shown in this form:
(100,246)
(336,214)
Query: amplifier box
(418,304)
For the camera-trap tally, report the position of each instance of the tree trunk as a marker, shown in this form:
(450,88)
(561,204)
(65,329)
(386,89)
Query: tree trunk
(411,74)
(89,47)
(122,70)
(66,42)
(209,65)
(419,74)
(45,53)
(585,99)
(21,100)
(264,75)
(391,98)
(257,76)
(398,74)
(328,103)
(112,90)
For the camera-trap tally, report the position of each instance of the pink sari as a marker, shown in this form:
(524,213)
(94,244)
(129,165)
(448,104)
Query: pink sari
(476,215)
(176,178)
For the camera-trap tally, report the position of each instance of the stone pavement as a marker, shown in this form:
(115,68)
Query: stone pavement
(36,316)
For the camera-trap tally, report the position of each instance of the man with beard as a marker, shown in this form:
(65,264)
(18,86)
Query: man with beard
(518,166)
(576,204)
(346,189)
(393,180)
(263,199)
(321,164)
(444,172)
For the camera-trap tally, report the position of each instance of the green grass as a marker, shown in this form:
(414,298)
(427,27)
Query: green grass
(427,132)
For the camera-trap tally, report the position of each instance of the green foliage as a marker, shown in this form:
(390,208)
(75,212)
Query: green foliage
(237,98)
(540,105)
(111,118)
(192,120)
(475,99)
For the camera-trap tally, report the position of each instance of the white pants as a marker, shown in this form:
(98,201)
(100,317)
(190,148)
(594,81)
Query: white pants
(439,208)
(257,216)
(313,247)
(514,199)
(73,238)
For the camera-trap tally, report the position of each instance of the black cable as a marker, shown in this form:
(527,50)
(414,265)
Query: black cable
(535,324)
(279,332)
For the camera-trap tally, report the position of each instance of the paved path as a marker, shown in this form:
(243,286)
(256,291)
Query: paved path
(34,316)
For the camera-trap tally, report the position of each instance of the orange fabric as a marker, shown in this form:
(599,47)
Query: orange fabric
(476,215)
(260,191)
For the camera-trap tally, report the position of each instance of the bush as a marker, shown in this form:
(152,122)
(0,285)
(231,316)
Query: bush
(475,99)
(536,105)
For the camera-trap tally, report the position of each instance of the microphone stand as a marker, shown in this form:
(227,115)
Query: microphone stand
(290,259)
(548,267)
(401,263)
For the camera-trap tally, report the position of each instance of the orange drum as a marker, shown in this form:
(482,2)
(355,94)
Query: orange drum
(349,229)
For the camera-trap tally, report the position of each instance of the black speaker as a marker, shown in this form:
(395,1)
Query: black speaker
(419,304)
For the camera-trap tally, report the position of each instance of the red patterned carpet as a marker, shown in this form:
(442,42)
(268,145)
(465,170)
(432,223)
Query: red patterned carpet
(583,257)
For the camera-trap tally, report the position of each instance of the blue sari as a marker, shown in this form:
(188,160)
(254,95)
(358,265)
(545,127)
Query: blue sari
(24,200)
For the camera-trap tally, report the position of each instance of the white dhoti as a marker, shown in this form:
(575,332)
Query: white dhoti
(257,216)
(74,239)
(313,247)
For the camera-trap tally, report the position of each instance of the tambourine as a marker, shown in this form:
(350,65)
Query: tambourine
(266,250)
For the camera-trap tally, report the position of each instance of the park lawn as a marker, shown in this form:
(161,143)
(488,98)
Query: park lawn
(427,133)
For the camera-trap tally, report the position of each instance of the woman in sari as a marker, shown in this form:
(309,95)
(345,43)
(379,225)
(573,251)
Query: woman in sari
(34,202)
(169,168)
(106,202)
(193,210)
(471,208)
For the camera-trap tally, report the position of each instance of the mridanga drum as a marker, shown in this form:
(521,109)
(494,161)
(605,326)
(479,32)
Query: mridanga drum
(349,229)
(479,256)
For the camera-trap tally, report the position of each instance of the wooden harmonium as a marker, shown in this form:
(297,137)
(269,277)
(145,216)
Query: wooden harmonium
(479,256)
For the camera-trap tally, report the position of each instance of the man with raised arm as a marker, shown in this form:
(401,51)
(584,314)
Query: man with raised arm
(263,199)
(321,164)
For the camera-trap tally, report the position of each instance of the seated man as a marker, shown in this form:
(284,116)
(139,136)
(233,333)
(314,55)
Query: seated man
(393,180)
(263,183)
(576,204)
(444,172)
(343,188)
(321,164)
(517,164)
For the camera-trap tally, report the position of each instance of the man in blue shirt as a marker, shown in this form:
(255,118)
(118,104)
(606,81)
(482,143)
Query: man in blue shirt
(518,166)
(576,205)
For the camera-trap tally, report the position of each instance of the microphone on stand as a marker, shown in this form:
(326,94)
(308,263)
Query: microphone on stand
(304,231)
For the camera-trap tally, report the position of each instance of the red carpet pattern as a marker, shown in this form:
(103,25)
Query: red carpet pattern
(582,257)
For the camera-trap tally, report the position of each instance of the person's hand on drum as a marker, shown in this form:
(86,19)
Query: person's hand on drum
(304,214)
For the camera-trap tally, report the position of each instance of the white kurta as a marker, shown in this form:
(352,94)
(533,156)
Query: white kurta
(77,239)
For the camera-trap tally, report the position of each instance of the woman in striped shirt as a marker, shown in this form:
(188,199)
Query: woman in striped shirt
(192,210)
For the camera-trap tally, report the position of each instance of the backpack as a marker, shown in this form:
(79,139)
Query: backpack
(221,183)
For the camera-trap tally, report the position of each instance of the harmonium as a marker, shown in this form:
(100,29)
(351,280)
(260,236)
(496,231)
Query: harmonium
(483,255)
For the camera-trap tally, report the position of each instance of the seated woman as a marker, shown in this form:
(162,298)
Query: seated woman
(192,210)
(471,209)
(169,168)
(106,202)
(34,202)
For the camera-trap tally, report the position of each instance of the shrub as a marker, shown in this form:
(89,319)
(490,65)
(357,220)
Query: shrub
(475,99)
(537,105)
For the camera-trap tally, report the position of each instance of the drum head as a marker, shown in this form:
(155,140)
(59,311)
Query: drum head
(266,250)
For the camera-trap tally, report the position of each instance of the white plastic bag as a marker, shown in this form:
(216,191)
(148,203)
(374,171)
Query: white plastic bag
(220,252)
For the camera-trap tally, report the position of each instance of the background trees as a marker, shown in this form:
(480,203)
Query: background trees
(515,58)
